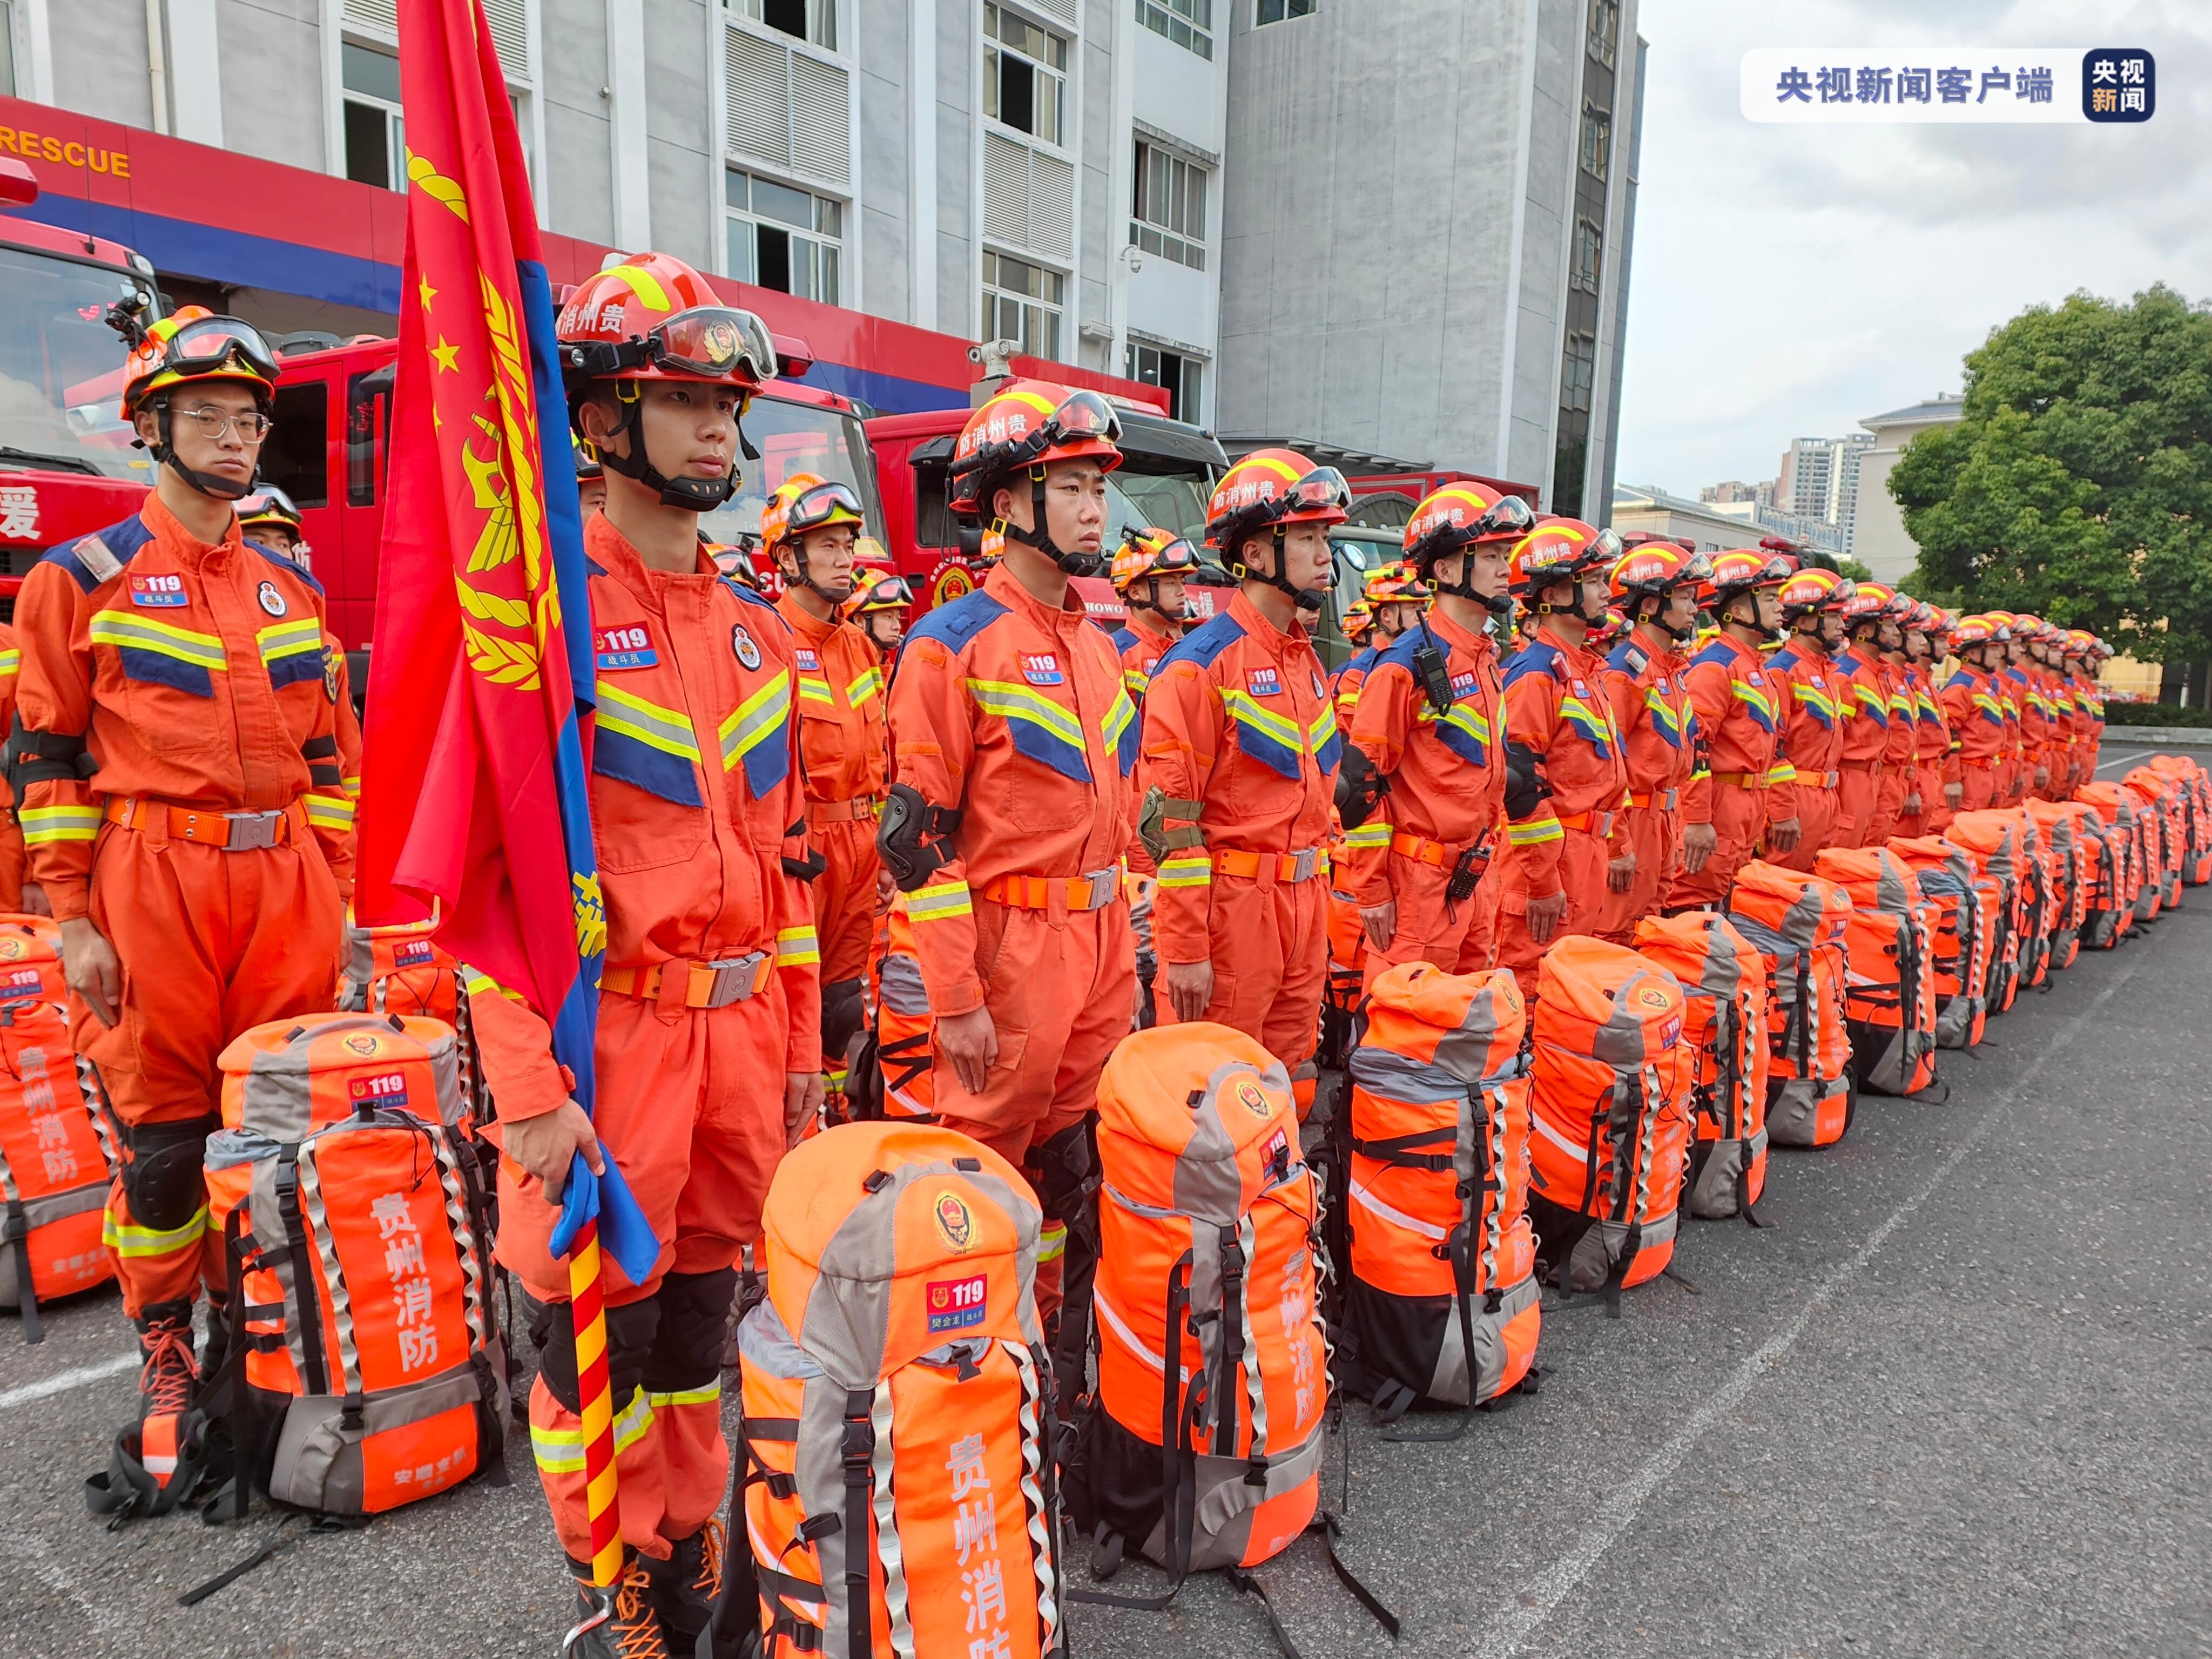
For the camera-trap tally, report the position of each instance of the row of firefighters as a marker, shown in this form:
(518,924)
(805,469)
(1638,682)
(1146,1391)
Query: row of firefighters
(1027,841)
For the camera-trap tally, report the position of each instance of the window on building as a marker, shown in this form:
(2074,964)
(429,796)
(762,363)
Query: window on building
(1590,245)
(1186,22)
(1169,213)
(1022,302)
(1598,140)
(1274,11)
(1184,378)
(1577,372)
(1604,28)
(789,240)
(814,21)
(375,136)
(1024,75)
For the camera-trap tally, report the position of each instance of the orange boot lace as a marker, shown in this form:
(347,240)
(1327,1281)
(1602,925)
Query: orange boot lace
(167,1379)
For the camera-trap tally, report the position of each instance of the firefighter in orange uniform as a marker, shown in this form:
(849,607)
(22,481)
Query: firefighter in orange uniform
(175,765)
(1973,711)
(2076,651)
(1732,690)
(1391,600)
(1917,700)
(268,518)
(1561,862)
(808,528)
(1899,793)
(1424,781)
(1867,623)
(878,606)
(1655,586)
(2011,774)
(1818,703)
(16,893)
(1241,750)
(1015,750)
(1939,793)
(709,1053)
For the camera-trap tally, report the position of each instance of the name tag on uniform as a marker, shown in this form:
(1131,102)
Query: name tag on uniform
(616,648)
(1581,690)
(1041,671)
(1758,678)
(1263,683)
(1462,683)
(159,590)
(1661,683)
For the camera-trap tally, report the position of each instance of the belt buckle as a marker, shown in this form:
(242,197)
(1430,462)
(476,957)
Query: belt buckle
(1103,885)
(251,831)
(1303,862)
(1602,825)
(1673,798)
(735,978)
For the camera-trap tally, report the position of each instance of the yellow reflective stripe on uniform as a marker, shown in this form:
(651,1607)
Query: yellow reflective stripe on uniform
(1188,870)
(939,903)
(330,811)
(814,690)
(1534,833)
(289,639)
(126,1239)
(711,1394)
(1812,696)
(755,716)
(478,983)
(1119,715)
(43,826)
(561,1451)
(11,662)
(1370,834)
(1781,772)
(868,683)
(143,633)
(1747,692)
(1324,727)
(1018,702)
(1246,710)
(1051,1240)
(665,729)
(1135,681)
(1470,719)
(796,947)
(351,786)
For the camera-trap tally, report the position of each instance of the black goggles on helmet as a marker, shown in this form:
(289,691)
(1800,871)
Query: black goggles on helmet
(713,343)
(819,506)
(1175,557)
(209,344)
(269,504)
(1083,417)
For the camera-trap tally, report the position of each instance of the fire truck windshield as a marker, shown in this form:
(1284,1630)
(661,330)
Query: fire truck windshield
(796,437)
(61,367)
(1172,498)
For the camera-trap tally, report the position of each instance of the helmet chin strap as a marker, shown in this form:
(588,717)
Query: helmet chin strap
(206,484)
(1681,635)
(1173,619)
(1306,599)
(1040,535)
(692,494)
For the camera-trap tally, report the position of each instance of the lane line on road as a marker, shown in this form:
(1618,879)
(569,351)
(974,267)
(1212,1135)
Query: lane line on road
(63,1381)
(2128,760)
(1520,1621)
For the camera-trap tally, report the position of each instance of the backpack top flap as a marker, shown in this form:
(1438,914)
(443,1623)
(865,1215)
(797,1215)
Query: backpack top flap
(1198,1119)
(284,1078)
(1604,1000)
(1876,878)
(1469,1026)
(1804,909)
(886,1241)
(1705,952)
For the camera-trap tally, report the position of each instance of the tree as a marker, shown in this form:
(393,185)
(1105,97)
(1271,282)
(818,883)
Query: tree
(2078,485)
(1855,568)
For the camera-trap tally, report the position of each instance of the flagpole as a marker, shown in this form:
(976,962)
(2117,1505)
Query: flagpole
(587,1311)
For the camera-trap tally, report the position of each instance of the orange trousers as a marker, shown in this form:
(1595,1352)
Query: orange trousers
(1816,823)
(1978,788)
(844,896)
(211,943)
(1455,938)
(690,1106)
(1582,860)
(1889,803)
(1656,835)
(1269,947)
(1739,818)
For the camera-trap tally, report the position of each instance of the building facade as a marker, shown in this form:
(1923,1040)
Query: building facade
(1426,241)
(1879,538)
(1046,171)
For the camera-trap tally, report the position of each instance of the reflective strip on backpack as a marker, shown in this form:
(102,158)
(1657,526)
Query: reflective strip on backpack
(457,1221)
(889,1550)
(1033,1504)
(344,1380)
(1255,1392)
(1116,1323)
(1366,1199)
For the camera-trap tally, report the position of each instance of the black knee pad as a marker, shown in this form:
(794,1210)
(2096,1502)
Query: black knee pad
(1068,1171)
(695,1328)
(164,1176)
(630,1330)
(843,1012)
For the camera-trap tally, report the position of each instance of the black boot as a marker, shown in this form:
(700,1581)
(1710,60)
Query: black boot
(170,1376)
(686,1585)
(628,1630)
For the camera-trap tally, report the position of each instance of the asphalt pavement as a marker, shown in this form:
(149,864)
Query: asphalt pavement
(1951,1400)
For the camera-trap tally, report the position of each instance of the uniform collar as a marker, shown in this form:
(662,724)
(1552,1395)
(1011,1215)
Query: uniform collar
(1455,637)
(609,549)
(169,530)
(813,629)
(1148,636)
(1002,585)
(1277,642)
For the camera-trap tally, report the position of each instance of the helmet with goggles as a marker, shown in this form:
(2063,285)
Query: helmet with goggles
(1264,494)
(801,503)
(1019,431)
(193,347)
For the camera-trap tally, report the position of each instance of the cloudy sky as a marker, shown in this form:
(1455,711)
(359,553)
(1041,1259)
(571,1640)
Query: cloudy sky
(1788,281)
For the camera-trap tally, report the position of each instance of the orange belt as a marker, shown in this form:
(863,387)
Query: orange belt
(1742,780)
(704,984)
(1092,892)
(1287,866)
(1665,800)
(1984,762)
(1428,852)
(844,812)
(1871,768)
(208,826)
(1592,822)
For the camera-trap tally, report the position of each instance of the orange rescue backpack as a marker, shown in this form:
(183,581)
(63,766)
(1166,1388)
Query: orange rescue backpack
(54,1161)
(898,1485)
(1610,1147)
(1723,981)
(2160,803)
(1797,922)
(2196,790)
(1961,941)
(2072,874)
(1889,992)
(1431,1206)
(1991,841)
(2118,907)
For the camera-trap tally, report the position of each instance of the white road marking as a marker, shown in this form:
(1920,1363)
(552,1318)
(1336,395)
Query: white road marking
(1520,1619)
(2126,760)
(63,1381)
(55,1577)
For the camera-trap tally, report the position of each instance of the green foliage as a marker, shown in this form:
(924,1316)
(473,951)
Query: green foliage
(2155,714)
(1855,568)
(2079,484)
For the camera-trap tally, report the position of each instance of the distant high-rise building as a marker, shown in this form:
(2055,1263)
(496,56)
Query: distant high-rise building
(1733,490)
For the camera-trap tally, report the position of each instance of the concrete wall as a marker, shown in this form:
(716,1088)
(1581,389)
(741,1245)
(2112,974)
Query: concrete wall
(686,175)
(274,113)
(882,43)
(959,69)
(1878,535)
(99,52)
(576,173)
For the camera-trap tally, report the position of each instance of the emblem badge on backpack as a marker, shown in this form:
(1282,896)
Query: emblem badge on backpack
(954,1224)
(271,600)
(1250,1096)
(364,1044)
(10,949)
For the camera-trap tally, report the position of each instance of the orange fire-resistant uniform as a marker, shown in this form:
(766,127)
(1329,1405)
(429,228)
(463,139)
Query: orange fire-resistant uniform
(11,833)
(211,848)
(1447,776)
(1658,728)
(1345,684)
(2012,774)
(1016,717)
(1810,746)
(2041,732)
(1866,746)
(844,740)
(1556,708)
(1973,710)
(1930,743)
(1240,733)
(1900,755)
(1140,650)
(708,997)
(1732,688)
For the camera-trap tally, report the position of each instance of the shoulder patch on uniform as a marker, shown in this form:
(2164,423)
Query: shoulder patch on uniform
(285,564)
(1629,658)
(101,556)
(1534,658)
(1204,645)
(592,567)
(1123,638)
(1785,659)
(954,624)
(1717,651)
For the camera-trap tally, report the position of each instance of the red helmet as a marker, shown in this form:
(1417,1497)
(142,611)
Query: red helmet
(196,344)
(1873,602)
(1150,551)
(1358,622)
(1741,571)
(1558,550)
(1025,425)
(1267,489)
(1604,636)
(1652,569)
(1457,516)
(1394,584)
(1815,592)
(876,590)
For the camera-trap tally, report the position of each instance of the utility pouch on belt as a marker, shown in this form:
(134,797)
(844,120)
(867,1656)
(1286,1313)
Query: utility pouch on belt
(1152,823)
(913,837)
(1359,787)
(1435,676)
